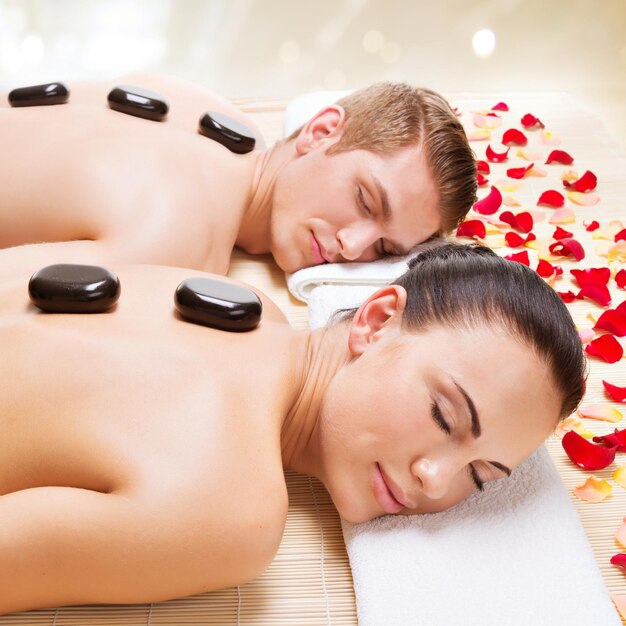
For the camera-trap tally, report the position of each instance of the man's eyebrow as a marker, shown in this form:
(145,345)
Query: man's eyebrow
(476,428)
(384,197)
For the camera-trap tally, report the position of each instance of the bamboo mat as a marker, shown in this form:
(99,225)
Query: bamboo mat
(309,581)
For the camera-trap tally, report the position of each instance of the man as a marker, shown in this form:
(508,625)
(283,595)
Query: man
(380,171)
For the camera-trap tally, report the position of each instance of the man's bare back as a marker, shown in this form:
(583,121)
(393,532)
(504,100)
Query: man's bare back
(101,186)
(129,440)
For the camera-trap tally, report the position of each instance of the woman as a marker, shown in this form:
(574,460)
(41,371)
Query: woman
(142,456)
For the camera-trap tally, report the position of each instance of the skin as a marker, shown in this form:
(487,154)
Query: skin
(83,183)
(129,442)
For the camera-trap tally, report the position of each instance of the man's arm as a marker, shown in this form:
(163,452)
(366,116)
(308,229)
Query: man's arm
(63,546)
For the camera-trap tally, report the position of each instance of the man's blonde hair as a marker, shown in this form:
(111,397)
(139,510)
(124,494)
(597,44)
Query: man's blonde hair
(387,116)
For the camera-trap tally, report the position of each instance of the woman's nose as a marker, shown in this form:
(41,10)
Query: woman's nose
(434,475)
(355,239)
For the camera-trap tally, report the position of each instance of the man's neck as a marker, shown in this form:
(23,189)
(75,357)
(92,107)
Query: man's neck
(254,235)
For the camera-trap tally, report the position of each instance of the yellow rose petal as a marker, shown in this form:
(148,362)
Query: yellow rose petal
(583,199)
(478,135)
(619,476)
(549,139)
(620,534)
(529,155)
(573,423)
(586,335)
(537,171)
(495,241)
(487,121)
(507,186)
(570,176)
(617,252)
(511,201)
(563,216)
(619,599)
(593,490)
(602,412)
(592,316)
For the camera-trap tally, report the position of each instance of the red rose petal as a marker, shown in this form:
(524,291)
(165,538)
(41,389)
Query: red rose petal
(567,296)
(606,347)
(620,279)
(565,247)
(613,322)
(559,156)
(619,559)
(585,454)
(496,157)
(520,257)
(518,172)
(513,240)
(514,137)
(528,121)
(621,236)
(522,221)
(593,225)
(489,204)
(545,269)
(483,166)
(621,307)
(551,198)
(501,106)
(592,276)
(586,182)
(597,293)
(616,393)
(472,228)
(481,180)
(616,438)
(561,233)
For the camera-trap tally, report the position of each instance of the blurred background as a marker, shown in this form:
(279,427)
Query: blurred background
(284,48)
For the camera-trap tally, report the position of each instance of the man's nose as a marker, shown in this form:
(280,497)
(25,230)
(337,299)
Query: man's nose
(435,475)
(357,238)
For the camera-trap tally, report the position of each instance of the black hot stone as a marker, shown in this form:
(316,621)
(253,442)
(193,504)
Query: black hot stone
(38,95)
(218,304)
(65,288)
(227,131)
(139,102)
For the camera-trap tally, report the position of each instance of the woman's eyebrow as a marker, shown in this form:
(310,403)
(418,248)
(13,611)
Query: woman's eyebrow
(476,428)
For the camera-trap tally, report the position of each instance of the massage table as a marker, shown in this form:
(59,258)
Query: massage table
(309,581)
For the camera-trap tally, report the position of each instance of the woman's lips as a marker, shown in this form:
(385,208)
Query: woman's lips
(316,251)
(383,494)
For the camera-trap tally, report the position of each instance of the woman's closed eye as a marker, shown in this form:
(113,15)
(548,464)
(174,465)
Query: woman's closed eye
(443,425)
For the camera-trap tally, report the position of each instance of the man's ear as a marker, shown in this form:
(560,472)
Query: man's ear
(325,124)
(375,316)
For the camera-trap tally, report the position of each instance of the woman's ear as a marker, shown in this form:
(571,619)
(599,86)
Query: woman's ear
(375,316)
(325,124)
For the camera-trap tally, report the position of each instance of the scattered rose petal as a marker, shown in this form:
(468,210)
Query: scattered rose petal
(490,204)
(530,121)
(567,296)
(572,423)
(616,439)
(615,393)
(619,600)
(620,279)
(496,157)
(551,198)
(619,476)
(621,308)
(522,221)
(514,137)
(545,269)
(583,199)
(481,134)
(537,172)
(472,228)
(483,166)
(621,236)
(593,225)
(613,322)
(585,454)
(619,559)
(518,172)
(513,240)
(481,180)
(549,138)
(529,155)
(566,247)
(586,182)
(559,156)
(593,490)
(510,201)
(569,175)
(560,233)
(563,216)
(602,412)
(501,106)
(520,257)
(592,276)
(617,252)
(508,186)
(605,347)
(620,534)
(597,293)
(490,121)
(586,335)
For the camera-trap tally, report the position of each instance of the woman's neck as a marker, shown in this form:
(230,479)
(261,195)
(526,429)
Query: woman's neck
(323,353)
(254,235)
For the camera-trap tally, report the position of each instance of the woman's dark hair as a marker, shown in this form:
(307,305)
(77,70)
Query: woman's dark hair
(465,285)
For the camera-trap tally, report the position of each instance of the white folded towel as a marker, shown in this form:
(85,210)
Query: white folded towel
(514,555)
